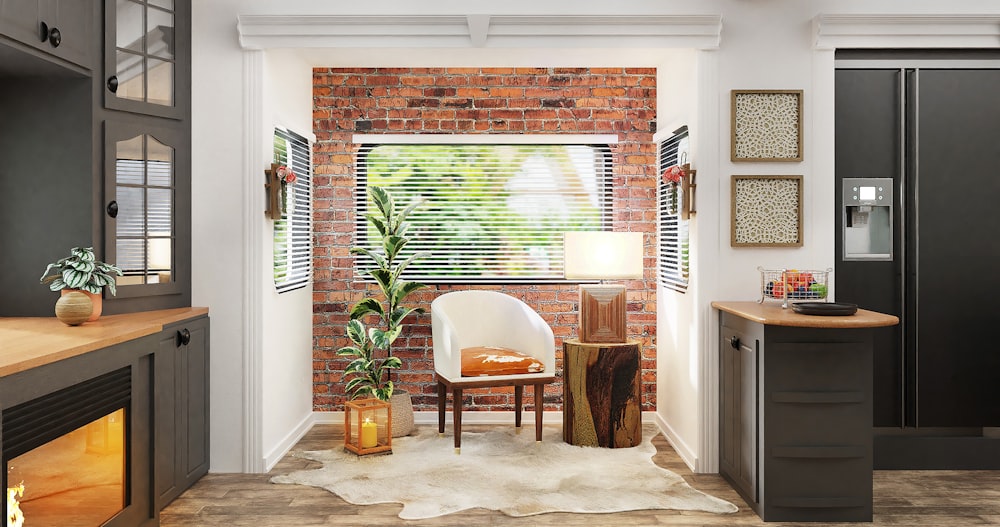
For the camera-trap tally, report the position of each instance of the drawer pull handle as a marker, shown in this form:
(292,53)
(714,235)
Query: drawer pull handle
(735,343)
(184,337)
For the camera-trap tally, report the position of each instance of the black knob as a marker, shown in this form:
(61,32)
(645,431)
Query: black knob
(113,83)
(43,31)
(183,337)
(55,37)
(113,209)
(735,343)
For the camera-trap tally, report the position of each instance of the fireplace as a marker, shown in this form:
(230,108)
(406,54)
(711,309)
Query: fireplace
(66,454)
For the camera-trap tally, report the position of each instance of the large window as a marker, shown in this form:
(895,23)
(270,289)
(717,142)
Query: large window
(490,211)
(293,232)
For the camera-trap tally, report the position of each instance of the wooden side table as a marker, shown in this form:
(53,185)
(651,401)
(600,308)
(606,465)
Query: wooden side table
(602,405)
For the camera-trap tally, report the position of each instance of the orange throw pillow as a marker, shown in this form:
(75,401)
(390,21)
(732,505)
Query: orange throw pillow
(491,360)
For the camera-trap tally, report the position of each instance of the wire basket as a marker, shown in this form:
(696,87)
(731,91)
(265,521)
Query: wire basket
(793,285)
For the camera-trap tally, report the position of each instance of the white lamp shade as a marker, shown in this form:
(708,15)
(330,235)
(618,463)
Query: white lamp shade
(602,255)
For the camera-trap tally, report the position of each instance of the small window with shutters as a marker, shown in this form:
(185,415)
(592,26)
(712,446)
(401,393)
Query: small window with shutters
(673,265)
(293,232)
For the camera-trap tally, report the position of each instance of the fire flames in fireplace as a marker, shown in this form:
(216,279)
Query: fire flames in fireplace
(15,518)
(75,480)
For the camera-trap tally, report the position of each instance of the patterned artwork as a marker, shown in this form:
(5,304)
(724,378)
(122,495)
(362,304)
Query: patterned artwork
(766,211)
(767,125)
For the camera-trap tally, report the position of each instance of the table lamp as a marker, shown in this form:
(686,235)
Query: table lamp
(602,256)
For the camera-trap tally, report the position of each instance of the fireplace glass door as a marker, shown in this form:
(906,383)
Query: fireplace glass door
(76,479)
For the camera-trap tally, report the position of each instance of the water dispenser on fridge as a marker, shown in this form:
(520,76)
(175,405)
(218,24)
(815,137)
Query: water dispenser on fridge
(868,219)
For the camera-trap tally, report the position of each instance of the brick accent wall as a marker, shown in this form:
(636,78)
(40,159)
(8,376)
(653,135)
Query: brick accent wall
(618,101)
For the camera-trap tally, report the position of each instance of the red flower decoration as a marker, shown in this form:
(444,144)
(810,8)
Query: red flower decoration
(285,174)
(673,174)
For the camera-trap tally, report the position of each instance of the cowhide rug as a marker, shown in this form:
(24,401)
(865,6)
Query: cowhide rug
(504,471)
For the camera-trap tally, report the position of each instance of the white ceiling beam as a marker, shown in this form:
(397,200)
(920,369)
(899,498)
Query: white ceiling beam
(447,31)
(906,31)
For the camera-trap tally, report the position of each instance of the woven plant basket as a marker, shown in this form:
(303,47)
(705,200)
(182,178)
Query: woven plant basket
(402,413)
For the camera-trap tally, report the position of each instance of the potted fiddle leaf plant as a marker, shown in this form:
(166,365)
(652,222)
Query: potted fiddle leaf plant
(82,272)
(371,345)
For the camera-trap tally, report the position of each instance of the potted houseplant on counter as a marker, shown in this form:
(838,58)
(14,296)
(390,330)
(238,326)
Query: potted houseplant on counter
(371,346)
(81,272)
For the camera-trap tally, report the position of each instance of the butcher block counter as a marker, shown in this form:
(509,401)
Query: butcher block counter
(30,342)
(775,315)
(795,410)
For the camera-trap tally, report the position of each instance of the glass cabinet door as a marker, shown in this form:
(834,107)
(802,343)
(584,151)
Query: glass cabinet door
(143,192)
(143,64)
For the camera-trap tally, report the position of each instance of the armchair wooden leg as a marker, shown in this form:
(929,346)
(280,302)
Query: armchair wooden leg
(518,397)
(539,392)
(442,396)
(456,406)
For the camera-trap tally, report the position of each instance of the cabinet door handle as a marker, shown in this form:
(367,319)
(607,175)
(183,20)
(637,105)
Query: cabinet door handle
(113,209)
(113,84)
(735,343)
(183,337)
(55,37)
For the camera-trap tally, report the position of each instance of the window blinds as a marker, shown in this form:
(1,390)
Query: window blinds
(672,264)
(293,232)
(488,212)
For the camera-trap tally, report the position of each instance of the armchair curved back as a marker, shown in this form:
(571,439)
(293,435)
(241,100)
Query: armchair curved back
(464,319)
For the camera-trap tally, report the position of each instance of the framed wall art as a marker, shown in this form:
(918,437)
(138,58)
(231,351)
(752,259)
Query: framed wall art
(766,211)
(766,125)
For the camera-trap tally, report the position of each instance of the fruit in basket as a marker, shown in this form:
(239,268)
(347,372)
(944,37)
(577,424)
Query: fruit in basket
(777,291)
(818,289)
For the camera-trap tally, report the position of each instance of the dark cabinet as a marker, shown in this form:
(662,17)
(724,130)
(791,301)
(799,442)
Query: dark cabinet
(180,406)
(738,354)
(62,28)
(795,432)
(147,208)
(147,50)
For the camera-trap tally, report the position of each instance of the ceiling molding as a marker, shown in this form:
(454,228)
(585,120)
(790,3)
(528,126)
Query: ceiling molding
(906,31)
(479,31)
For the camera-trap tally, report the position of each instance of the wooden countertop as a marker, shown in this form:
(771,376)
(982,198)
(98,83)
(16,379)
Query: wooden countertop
(29,342)
(774,315)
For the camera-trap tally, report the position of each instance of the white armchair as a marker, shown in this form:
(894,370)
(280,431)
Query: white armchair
(466,319)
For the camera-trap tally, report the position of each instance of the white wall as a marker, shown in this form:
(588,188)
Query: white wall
(765,44)
(286,373)
(219,234)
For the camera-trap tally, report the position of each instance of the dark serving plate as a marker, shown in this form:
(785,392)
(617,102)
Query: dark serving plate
(825,308)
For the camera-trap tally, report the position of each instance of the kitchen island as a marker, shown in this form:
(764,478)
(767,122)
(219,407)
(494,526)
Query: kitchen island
(795,410)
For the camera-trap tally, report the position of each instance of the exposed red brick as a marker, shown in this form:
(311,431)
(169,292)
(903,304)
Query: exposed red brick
(473,100)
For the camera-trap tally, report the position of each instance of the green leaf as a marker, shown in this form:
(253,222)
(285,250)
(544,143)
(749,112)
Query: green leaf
(404,291)
(366,306)
(356,332)
(393,244)
(57,284)
(83,266)
(86,254)
(359,365)
(349,351)
(392,362)
(384,339)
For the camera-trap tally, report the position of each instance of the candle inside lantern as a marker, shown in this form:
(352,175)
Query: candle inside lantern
(369,434)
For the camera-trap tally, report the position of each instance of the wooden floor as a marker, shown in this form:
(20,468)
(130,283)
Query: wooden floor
(902,498)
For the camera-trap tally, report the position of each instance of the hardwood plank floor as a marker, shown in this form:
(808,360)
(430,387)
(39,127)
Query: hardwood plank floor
(902,498)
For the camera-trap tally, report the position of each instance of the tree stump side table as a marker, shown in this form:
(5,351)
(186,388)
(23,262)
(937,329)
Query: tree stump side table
(602,405)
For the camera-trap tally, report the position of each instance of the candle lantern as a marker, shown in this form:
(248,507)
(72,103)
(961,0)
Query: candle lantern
(368,427)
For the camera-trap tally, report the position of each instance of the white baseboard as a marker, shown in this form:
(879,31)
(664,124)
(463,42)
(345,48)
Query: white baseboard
(683,450)
(496,418)
(287,442)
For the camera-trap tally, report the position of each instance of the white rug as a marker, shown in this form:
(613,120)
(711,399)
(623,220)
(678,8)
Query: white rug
(504,471)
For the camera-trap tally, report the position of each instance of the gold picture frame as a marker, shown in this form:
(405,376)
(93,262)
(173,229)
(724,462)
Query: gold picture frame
(766,211)
(766,125)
